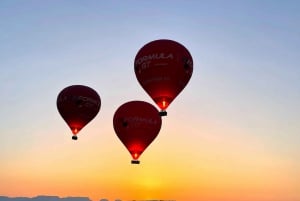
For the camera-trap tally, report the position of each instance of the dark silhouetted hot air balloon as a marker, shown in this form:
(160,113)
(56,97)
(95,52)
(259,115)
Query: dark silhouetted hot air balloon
(163,68)
(78,105)
(136,123)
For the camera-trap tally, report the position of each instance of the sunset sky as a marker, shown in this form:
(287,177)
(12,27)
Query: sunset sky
(233,134)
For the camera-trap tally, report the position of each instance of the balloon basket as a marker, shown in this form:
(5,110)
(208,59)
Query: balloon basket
(135,162)
(74,137)
(163,113)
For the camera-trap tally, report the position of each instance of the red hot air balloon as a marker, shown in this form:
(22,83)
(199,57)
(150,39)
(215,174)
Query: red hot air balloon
(136,123)
(163,68)
(78,105)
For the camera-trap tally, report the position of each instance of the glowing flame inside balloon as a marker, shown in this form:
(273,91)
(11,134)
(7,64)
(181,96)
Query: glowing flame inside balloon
(135,156)
(164,103)
(75,131)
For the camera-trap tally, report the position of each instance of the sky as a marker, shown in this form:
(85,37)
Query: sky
(232,134)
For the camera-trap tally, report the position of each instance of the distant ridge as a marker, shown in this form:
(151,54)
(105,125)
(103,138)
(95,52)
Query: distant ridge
(44,198)
(57,198)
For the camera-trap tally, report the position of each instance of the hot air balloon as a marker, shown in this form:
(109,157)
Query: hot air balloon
(78,105)
(136,123)
(163,68)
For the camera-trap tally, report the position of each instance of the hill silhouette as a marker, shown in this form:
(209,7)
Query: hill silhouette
(44,198)
(57,198)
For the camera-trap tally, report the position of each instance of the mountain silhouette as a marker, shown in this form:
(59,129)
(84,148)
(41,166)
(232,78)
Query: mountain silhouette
(44,198)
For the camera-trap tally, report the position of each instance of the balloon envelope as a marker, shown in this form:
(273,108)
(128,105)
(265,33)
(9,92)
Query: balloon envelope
(78,105)
(163,68)
(136,123)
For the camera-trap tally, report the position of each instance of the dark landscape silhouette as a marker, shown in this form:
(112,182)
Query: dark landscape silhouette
(44,198)
(57,198)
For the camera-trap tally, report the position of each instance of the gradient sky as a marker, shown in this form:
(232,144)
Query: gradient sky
(233,134)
